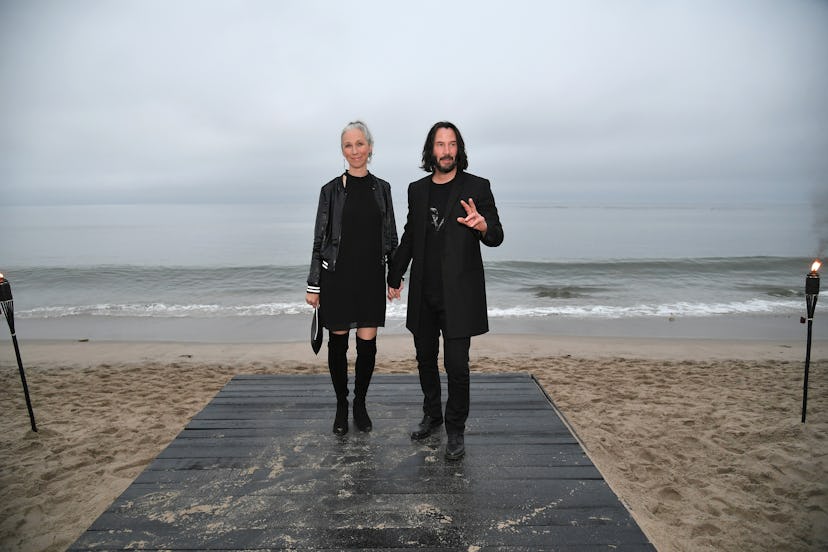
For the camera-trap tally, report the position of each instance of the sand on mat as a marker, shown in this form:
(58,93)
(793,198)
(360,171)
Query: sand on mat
(702,440)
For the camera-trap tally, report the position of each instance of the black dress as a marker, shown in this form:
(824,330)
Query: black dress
(353,296)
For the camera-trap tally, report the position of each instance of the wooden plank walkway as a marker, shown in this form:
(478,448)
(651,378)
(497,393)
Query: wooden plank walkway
(260,469)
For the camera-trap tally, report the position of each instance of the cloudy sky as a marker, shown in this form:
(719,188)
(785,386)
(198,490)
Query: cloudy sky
(208,101)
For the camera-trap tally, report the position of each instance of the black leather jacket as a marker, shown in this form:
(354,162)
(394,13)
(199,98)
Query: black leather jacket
(328,229)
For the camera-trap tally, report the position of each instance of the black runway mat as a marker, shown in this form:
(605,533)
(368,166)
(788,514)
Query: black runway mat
(260,469)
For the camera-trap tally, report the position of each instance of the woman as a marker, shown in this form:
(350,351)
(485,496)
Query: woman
(354,238)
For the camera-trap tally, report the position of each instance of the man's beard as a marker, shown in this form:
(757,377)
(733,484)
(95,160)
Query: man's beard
(447,169)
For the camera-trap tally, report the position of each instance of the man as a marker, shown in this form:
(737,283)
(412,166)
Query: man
(449,213)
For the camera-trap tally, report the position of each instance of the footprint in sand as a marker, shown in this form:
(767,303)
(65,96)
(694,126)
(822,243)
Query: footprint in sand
(669,494)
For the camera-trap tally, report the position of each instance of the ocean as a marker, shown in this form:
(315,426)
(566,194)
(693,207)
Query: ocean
(237,272)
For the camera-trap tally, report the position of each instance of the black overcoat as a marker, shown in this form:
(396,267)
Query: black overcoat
(464,286)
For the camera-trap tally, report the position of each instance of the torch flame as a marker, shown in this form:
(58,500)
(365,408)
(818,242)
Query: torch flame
(814,267)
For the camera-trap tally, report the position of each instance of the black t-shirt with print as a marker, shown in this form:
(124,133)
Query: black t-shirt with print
(435,236)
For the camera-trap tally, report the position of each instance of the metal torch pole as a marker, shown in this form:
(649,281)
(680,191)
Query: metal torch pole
(807,367)
(25,385)
(811,294)
(7,306)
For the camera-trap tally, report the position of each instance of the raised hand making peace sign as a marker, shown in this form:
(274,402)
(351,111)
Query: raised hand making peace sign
(473,219)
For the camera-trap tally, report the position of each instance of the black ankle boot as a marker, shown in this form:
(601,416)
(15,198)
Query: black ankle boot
(340,425)
(361,419)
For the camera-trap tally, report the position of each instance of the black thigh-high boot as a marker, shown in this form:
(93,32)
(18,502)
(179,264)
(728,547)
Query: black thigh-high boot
(366,358)
(338,366)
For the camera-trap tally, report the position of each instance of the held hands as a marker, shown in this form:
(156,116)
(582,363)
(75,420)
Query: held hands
(394,293)
(473,219)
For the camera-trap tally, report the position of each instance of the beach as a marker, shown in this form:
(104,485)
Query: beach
(700,438)
(660,178)
(668,338)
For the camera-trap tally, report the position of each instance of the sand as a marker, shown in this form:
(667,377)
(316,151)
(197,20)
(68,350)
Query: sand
(701,439)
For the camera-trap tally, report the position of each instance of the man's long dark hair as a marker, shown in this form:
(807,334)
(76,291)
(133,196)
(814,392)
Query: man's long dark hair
(429,162)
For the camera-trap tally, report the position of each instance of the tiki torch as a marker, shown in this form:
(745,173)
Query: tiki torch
(7,305)
(811,294)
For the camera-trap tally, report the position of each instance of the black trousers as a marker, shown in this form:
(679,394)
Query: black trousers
(455,360)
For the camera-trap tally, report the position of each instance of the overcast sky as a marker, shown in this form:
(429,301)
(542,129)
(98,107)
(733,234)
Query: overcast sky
(205,101)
